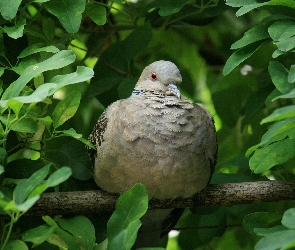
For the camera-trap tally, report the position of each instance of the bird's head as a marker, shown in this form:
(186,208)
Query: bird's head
(162,76)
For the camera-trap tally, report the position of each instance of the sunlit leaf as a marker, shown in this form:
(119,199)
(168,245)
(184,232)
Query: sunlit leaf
(8,9)
(240,56)
(25,125)
(130,207)
(257,33)
(274,154)
(280,114)
(48,89)
(37,47)
(66,109)
(82,74)
(281,30)
(27,204)
(16,31)
(58,176)
(59,60)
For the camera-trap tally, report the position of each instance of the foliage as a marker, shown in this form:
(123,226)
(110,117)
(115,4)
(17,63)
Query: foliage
(48,107)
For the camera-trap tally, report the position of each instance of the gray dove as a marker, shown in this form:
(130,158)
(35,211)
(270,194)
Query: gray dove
(158,138)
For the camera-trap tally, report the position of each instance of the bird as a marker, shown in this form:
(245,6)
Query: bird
(156,137)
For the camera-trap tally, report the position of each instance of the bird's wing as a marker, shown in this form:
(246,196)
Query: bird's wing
(208,136)
(96,137)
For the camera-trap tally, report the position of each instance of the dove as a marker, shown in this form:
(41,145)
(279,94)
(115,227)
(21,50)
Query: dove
(156,137)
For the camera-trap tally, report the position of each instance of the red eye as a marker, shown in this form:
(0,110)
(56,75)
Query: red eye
(153,76)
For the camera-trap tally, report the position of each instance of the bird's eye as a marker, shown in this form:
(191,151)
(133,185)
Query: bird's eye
(153,76)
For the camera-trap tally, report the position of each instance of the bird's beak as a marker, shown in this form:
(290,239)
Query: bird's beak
(174,90)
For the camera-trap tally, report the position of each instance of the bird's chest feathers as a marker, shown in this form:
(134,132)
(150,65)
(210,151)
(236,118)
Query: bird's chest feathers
(155,122)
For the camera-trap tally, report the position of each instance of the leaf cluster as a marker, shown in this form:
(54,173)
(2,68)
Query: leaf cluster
(63,62)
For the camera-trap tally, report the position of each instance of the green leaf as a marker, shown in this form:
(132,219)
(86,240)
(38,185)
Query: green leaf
(282,30)
(97,13)
(261,220)
(286,45)
(63,236)
(276,153)
(71,132)
(291,76)
(8,9)
(209,223)
(289,218)
(73,154)
(270,230)
(278,240)
(48,89)
(38,95)
(16,31)
(126,236)
(37,47)
(133,45)
(240,55)
(130,207)
(16,245)
(280,114)
(257,33)
(47,121)
(38,235)
(279,77)
(82,74)
(276,132)
(1,167)
(25,206)
(26,186)
(277,53)
(58,177)
(126,87)
(2,69)
(81,228)
(247,8)
(239,3)
(25,125)
(25,63)
(169,7)
(15,105)
(59,60)
(289,95)
(48,27)
(69,13)
(286,3)
(66,109)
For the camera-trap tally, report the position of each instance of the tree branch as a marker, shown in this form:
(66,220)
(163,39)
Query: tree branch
(214,195)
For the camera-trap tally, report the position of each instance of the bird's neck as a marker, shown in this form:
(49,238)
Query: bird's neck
(151,93)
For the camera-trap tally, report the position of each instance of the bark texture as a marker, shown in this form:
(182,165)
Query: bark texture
(214,195)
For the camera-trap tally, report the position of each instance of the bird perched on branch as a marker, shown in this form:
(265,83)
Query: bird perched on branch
(158,138)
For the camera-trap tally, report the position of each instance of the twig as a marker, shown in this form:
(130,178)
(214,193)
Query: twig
(214,195)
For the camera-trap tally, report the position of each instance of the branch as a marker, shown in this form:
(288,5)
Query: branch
(214,195)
